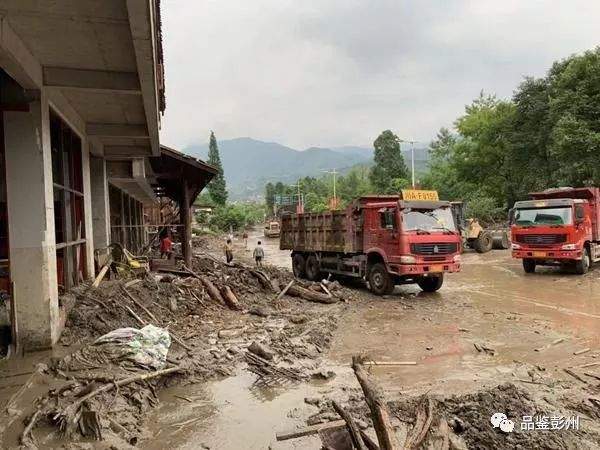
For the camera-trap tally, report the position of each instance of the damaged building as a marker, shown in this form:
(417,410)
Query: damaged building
(81,98)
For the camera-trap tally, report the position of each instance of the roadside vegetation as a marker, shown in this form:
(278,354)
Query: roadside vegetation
(547,135)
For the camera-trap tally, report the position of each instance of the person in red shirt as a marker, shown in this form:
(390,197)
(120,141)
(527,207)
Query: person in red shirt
(166,246)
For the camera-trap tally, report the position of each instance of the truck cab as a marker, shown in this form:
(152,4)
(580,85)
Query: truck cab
(416,241)
(557,227)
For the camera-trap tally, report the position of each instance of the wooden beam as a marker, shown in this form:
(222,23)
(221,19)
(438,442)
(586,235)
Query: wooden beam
(117,130)
(126,151)
(94,80)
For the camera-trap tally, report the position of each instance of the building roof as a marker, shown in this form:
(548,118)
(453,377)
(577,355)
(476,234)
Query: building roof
(172,168)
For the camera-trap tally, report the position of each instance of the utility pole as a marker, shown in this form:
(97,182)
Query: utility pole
(300,207)
(412,158)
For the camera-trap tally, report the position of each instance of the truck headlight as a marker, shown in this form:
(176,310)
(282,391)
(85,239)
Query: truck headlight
(407,259)
(456,258)
(515,246)
(569,247)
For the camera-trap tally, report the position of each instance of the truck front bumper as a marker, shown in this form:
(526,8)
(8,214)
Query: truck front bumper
(428,268)
(547,254)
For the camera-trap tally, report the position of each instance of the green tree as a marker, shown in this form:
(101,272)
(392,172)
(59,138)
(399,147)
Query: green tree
(388,163)
(216,188)
(269,197)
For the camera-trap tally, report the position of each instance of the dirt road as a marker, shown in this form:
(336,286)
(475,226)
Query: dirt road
(538,320)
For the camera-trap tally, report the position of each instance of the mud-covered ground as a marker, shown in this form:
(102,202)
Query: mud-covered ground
(492,340)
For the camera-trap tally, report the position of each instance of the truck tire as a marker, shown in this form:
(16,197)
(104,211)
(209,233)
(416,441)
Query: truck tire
(484,242)
(583,265)
(431,283)
(380,281)
(299,265)
(501,241)
(313,268)
(529,265)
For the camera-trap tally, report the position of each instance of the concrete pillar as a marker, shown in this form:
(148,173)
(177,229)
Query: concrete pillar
(31,225)
(87,209)
(100,202)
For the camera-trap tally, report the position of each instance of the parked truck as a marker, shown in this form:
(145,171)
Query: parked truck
(557,227)
(386,240)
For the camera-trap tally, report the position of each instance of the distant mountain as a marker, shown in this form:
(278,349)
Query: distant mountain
(249,164)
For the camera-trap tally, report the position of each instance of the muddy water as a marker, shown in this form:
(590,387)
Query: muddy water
(491,302)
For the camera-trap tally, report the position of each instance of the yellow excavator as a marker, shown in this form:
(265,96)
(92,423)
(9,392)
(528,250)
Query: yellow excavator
(475,236)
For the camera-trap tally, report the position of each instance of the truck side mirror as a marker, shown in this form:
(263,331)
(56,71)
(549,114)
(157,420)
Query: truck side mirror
(579,213)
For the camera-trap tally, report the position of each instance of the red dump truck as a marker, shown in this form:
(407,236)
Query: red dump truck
(557,227)
(386,240)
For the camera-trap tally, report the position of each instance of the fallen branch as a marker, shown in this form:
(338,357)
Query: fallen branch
(230,298)
(312,296)
(574,375)
(26,439)
(69,417)
(421,428)
(375,398)
(284,290)
(389,363)
(142,307)
(352,427)
(307,431)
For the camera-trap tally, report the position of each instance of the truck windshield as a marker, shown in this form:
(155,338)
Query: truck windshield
(428,220)
(544,216)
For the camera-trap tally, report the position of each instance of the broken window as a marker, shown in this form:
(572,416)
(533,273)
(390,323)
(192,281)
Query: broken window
(69,224)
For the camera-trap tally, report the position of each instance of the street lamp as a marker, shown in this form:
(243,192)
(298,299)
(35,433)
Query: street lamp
(412,158)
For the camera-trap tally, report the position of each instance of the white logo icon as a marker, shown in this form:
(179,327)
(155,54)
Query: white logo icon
(499,420)
(507,426)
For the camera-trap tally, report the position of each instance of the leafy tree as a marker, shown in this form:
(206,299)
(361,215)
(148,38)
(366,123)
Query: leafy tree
(270,197)
(389,163)
(236,216)
(216,188)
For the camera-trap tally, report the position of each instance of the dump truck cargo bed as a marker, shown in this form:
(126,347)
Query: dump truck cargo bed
(331,231)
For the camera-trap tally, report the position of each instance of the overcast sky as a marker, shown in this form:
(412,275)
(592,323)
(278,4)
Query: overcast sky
(337,72)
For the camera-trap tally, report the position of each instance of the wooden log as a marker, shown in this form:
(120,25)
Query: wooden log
(389,363)
(230,298)
(213,292)
(312,296)
(285,289)
(102,273)
(421,428)
(370,443)
(375,399)
(307,431)
(352,427)
(582,351)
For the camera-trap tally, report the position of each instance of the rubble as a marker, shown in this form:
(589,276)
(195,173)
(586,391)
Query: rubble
(219,316)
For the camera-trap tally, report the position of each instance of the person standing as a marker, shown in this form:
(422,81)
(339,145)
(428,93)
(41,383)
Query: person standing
(166,245)
(245,238)
(228,251)
(258,254)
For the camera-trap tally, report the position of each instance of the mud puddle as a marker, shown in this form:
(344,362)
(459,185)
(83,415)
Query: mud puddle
(236,413)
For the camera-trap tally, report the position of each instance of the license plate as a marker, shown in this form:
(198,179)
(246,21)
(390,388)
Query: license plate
(539,254)
(437,268)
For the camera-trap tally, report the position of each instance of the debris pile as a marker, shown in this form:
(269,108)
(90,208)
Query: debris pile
(132,337)
(366,420)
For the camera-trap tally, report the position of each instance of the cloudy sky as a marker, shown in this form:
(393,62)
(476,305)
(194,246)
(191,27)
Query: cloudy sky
(337,72)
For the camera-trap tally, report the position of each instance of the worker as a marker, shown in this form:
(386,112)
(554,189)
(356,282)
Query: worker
(259,254)
(245,238)
(228,251)
(166,245)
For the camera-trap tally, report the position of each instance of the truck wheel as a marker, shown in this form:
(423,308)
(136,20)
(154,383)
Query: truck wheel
(501,241)
(484,242)
(299,266)
(583,265)
(313,269)
(529,265)
(431,283)
(380,280)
